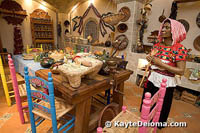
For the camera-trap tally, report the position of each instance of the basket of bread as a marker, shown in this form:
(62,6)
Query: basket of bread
(82,65)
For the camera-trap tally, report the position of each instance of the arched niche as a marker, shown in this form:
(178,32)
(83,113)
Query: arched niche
(91,27)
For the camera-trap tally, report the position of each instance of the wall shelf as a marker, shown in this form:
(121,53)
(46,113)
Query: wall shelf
(42,29)
(8,12)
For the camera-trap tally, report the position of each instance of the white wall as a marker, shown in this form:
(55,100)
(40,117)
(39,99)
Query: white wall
(132,36)
(103,6)
(7,31)
(187,11)
(61,19)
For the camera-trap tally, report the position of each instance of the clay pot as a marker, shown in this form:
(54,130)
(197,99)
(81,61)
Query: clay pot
(108,43)
(122,27)
(66,23)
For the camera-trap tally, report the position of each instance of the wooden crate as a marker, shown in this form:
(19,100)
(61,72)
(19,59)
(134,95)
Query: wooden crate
(188,97)
(177,94)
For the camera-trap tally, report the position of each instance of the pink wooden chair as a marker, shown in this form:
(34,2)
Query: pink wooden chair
(145,116)
(148,102)
(7,82)
(19,91)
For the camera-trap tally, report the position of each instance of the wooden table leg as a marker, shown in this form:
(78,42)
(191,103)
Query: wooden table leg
(117,97)
(82,116)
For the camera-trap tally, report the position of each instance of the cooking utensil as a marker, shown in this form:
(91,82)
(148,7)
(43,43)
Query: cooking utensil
(112,64)
(148,65)
(47,62)
(120,43)
(162,17)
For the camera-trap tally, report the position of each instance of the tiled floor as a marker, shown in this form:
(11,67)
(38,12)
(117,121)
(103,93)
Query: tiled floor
(180,112)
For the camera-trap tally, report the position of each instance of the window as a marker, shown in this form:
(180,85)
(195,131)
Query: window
(91,28)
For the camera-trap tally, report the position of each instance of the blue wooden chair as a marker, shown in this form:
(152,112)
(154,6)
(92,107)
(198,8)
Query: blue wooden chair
(49,107)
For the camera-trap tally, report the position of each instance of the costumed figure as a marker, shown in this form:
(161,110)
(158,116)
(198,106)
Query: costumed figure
(168,61)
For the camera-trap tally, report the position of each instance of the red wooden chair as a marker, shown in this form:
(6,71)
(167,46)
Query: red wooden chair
(147,115)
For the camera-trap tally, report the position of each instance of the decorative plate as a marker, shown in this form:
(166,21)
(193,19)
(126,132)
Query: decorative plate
(122,27)
(185,24)
(198,20)
(127,13)
(121,42)
(196,43)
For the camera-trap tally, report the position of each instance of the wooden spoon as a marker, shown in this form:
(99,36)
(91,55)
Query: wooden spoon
(162,17)
(153,52)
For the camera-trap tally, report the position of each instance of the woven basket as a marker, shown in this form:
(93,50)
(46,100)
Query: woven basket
(74,77)
(107,114)
(113,19)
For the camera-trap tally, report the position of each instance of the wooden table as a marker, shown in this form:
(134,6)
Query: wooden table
(81,97)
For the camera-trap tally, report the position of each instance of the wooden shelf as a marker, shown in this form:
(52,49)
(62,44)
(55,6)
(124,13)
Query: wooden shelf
(20,13)
(44,37)
(43,30)
(44,41)
(41,23)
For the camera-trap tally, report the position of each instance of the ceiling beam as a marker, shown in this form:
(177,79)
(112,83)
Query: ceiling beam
(47,5)
(185,1)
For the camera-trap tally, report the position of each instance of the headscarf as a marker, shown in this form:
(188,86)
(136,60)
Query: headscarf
(177,30)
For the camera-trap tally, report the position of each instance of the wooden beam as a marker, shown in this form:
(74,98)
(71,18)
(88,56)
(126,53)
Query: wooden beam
(185,1)
(1,46)
(20,13)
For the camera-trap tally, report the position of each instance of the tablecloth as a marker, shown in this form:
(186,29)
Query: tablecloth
(20,63)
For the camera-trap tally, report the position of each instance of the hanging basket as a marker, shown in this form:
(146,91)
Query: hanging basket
(113,19)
